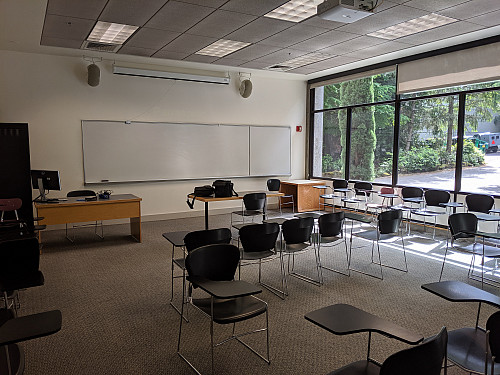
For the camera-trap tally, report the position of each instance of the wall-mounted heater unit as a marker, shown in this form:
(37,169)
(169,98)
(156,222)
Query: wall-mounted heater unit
(222,78)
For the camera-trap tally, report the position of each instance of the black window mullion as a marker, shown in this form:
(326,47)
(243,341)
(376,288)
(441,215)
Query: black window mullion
(347,142)
(460,141)
(395,144)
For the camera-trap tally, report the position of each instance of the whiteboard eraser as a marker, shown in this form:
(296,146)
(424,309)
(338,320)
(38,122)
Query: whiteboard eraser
(127,122)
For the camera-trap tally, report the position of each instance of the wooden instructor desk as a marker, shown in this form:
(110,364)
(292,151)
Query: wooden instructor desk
(305,196)
(74,210)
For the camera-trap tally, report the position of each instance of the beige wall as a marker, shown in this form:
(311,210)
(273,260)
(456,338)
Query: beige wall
(50,93)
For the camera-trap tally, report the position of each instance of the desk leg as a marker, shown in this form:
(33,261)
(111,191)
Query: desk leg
(206,215)
(135,228)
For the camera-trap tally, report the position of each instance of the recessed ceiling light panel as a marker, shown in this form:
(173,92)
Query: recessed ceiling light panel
(222,47)
(295,10)
(112,33)
(416,25)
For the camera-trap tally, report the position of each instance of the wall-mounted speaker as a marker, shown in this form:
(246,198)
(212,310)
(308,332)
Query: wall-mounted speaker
(245,88)
(94,75)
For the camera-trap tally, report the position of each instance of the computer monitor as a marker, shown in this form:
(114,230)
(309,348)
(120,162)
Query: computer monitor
(45,181)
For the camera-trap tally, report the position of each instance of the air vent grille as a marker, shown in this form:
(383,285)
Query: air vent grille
(279,67)
(102,47)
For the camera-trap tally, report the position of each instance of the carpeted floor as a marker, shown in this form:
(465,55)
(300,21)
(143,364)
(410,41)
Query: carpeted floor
(114,296)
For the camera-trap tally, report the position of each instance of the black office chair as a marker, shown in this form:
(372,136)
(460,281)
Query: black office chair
(476,350)
(423,359)
(211,268)
(273,184)
(19,269)
(259,244)
(362,192)
(296,239)
(83,194)
(193,240)
(433,206)
(388,229)
(479,203)
(254,205)
(331,232)
(462,227)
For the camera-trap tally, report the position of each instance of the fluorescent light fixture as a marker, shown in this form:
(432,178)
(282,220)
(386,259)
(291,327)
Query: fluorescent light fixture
(295,10)
(300,61)
(413,26)
(222,78)
(112,33)
(222,47)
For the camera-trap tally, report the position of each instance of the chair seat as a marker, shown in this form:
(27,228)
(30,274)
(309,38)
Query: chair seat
(232,310)
(372,235)
(358,368)
(352,200)
(21,282)
(180,262)
(329,196)
(467,347)
(477,248)
(325,239)
(295,247)
(238,226)
(256,255)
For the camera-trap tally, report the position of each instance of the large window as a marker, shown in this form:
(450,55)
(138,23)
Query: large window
(354,134)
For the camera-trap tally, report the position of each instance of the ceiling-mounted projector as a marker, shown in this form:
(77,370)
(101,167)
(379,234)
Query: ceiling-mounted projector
(346,11)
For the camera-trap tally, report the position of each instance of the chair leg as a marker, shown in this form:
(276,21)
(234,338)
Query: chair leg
(444,260)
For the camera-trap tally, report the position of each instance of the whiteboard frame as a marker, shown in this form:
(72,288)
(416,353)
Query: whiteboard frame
(189,178)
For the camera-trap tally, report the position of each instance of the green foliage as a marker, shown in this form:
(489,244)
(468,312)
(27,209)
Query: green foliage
(472,156)
(423,159)
(330,164)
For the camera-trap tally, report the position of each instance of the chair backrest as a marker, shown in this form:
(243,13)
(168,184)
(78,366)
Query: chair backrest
(411,192)
(426,358)
(493,325)
(479,202)
(387,190)
(462,222)
(254,201)
(18,258)
(10,204)
(297,230)
(361,188)
(273,184)
(259,237)
(81,193)
(199,238)
(389,221)
(436,197)
(340,184)
(217,262)
(330,225)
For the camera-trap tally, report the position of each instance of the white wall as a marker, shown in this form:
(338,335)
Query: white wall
(51,94)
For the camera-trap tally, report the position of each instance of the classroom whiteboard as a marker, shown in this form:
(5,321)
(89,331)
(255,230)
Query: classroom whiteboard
(270,151)
(140,151)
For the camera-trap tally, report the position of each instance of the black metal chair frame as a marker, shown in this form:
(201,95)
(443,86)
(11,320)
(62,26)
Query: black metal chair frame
(302,228)
(388,227)
(331,230)
(96,224)
(361,189)
(253,205)
(433,198)
(273,184)
(461,227)
(259,244)
(211,268)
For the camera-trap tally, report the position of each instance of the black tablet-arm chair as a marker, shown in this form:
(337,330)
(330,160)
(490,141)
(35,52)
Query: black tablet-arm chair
(331,233)
(423,359)
(19,269)
(479,203)
(254,205)
(273,184)
(388,229)
(477,350)
(433,206)
(193,240)
(362,192)
(296,239)
(97,224)
(259,245)
(462,227)
(212,268)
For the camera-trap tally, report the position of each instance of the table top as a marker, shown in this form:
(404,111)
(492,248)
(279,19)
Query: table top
(314,215)
(388,195)
(413,199)
(495,211)
(321,186)
(71,201)
(358,217)
(239,196)
(342,319)
(175,238)
(30,327)
(457,291)
(486,235)
(452,204)
(486,217)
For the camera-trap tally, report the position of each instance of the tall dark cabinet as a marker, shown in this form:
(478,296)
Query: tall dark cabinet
(15,177)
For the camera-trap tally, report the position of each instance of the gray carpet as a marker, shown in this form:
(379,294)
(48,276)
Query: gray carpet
(114,296)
